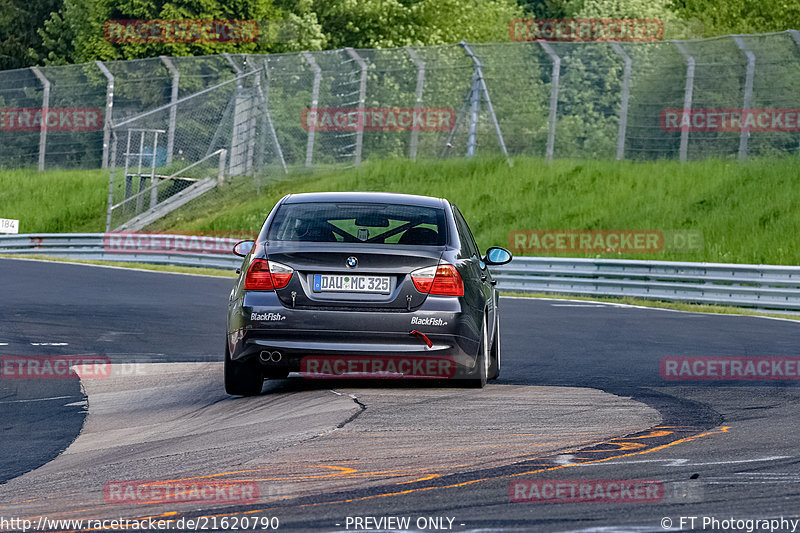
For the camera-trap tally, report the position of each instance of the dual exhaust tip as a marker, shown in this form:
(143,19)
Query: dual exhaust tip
(270,357)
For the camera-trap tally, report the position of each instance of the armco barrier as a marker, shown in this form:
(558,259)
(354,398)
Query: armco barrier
(761,286)
(161,249)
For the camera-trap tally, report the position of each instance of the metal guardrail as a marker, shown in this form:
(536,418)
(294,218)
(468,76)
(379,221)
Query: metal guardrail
(160,249)
(761,286)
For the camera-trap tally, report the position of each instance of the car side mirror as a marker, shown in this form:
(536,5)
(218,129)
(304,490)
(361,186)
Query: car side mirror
(497,256)
(242,248)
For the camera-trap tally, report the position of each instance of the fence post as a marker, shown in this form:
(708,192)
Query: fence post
(268,118)
(235,163)
(312,127)
(45,111)
(687,97)
(412,153)
(153,178)
(221,170)
(109,108)
(623,110)
(748,94)
(362,95)
(474,109)
(554,83)
(236,69)
(112,165)
(174,109)
(141,185)
(481,82)
(450,136)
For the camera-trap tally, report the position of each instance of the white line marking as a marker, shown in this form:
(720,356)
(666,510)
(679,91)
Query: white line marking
(49,344)
(630,306)
(37,399)
(577,305)
(3,344)
(764,474)
(777,481)
(564,459)
(685,462)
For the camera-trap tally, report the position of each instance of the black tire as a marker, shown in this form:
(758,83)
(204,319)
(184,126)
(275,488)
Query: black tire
(242,378)
(276,373)
(494,353)
(481,372)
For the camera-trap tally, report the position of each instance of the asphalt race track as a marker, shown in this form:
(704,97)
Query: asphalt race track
(580,398)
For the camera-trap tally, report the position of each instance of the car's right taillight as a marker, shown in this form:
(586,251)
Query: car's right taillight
(442,280)
(266,275)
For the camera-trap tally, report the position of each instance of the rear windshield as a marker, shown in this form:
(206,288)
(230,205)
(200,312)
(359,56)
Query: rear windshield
(359,222)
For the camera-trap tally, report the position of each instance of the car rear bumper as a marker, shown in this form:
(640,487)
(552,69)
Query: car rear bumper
(261,323)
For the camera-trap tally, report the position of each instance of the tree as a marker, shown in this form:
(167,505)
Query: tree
(389,23)
(20,46)
(75,34)
(741,16)
(548,9)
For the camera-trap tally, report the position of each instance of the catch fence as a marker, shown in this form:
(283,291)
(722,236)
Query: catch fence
(261,117)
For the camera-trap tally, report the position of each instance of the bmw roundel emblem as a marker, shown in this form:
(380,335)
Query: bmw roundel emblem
(352,262)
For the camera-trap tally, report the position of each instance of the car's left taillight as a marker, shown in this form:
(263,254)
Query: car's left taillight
(442,280)
(266,275)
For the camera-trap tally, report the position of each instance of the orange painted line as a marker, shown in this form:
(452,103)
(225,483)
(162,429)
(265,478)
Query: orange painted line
(426,478)
(649,435)
(664,446)
(349,473)
(722,429)
(623,446)
(343,471)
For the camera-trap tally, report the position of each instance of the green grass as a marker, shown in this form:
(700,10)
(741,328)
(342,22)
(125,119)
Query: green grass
(748,212)
(55,201)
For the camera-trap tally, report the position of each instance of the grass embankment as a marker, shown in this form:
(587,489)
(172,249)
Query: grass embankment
(748,212)
(55,201)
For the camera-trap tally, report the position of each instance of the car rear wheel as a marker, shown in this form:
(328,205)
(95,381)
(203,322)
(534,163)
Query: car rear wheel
(494,355)
(478,381)
(242,378)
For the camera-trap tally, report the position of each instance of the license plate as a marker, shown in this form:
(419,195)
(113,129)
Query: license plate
(348,283)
